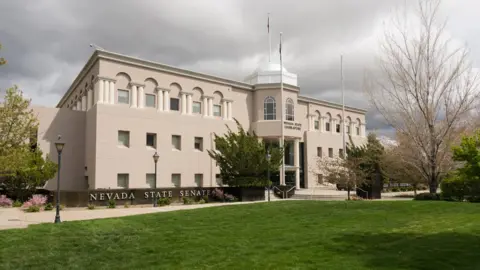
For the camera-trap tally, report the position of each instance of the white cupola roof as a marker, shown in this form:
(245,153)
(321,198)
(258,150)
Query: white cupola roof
(269,72)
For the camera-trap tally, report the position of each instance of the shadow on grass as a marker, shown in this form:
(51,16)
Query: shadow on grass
(447,250)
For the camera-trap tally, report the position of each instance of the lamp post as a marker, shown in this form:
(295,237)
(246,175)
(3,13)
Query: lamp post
(155,159)
(59,144)
(268,173)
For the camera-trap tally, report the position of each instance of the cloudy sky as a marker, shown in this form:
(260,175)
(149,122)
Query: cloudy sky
(47,41)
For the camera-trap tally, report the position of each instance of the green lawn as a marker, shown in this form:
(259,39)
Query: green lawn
(278,235)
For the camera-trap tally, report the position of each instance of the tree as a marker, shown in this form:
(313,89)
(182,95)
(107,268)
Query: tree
(424,88)
(31,174)
(2,60)
(242,159)
(17,123)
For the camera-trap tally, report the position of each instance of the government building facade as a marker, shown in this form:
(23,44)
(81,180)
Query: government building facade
(120,110)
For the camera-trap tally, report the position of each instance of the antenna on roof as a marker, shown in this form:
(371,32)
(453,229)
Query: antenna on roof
(96,47)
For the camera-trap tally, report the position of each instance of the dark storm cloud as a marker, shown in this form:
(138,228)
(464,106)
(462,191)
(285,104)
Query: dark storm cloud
(47,42)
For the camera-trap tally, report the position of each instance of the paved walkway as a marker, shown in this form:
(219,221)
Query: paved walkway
(11,218)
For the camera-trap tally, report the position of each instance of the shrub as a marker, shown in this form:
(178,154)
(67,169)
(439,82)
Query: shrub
(17,203)
(453,188)
(218,194)
(472,193)
(36,200)
(187,200)
(201,201)
(48,207)
(205,199)
(126,205)
(91,206)
(164,201)
(33,208)
(5,202)
(395,189)
(230,198)
(427,197)
(112,203)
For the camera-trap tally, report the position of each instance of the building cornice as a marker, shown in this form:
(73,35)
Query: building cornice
(330,104)
(162,89)
(108,79)
(276,86)
(186,93)
(137,84)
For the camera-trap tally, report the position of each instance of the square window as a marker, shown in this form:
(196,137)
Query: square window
(319,152)
(124,138)
(150,100)
(320,179)
(150,180)
(176,180)
(122,180)
(316,124)
(330,152)
(197,107)
(218,179)
(340,153)
(123,96)
(174,104)
(338,128)
(198,144)
(199,180)
(176,142)
(217,110)
(327,126)
(152,140)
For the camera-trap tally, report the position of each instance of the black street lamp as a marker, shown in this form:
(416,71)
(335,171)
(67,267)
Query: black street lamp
(59,144)
(155,159)
(268,174)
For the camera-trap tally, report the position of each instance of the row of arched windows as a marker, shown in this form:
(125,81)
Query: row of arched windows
(270,109)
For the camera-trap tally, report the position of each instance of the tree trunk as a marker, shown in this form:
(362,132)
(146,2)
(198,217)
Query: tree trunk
(433,185)
(348,193)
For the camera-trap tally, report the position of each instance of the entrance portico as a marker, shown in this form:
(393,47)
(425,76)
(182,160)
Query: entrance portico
(291,160)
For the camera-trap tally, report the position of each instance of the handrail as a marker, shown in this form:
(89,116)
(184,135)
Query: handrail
(363,191)
(284,192)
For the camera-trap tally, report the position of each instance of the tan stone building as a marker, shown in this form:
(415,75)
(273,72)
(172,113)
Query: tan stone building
(120,110)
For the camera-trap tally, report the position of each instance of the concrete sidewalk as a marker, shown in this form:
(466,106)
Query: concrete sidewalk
(11,218)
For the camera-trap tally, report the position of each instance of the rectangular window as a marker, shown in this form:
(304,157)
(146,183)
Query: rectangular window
(176,142)
(319,152)
(150,101)
(218,179)
(358,130)
(176,180)
(123,96)
(198,144)
(338,128)
(174,104)
(197,107)
(340,153)
(316,124)
(122,180)
(217,110)
(348,129)
(150,180)
(199,180)
(327,126)
(124,138)
(152,140)
(330,152)
(320,179)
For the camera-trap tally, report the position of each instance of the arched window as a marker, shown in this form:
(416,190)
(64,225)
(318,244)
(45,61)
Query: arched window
(328,122)
(269,109)
(357,126)
(289,110)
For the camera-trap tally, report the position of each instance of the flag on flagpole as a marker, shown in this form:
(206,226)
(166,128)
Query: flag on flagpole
(268,23)
(280,48)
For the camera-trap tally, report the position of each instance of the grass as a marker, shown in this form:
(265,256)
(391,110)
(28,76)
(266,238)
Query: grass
(278,235)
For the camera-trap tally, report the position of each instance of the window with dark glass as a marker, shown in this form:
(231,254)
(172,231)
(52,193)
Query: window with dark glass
(174,104)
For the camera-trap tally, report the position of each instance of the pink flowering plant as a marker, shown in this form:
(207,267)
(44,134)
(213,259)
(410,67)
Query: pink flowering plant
(36,200)
(5,202)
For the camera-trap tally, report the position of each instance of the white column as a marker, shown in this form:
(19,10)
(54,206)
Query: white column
(79,105)
(205,106)
(159,100)
(362,129)
(229,110)
(310,123)
(322,124)
(210,106)
(112,92)
(106,92)
(183,100)
(89,99)
(84,103)
(224,110)
(141,97)
(166,100)
(133,103)
(189,104)
(333,126)
(296,162)
(100,91)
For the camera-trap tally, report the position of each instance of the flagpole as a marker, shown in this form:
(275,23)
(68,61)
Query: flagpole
(282,139)
(269,40)
(343,107)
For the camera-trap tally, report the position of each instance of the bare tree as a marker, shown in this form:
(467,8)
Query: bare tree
(425,86)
